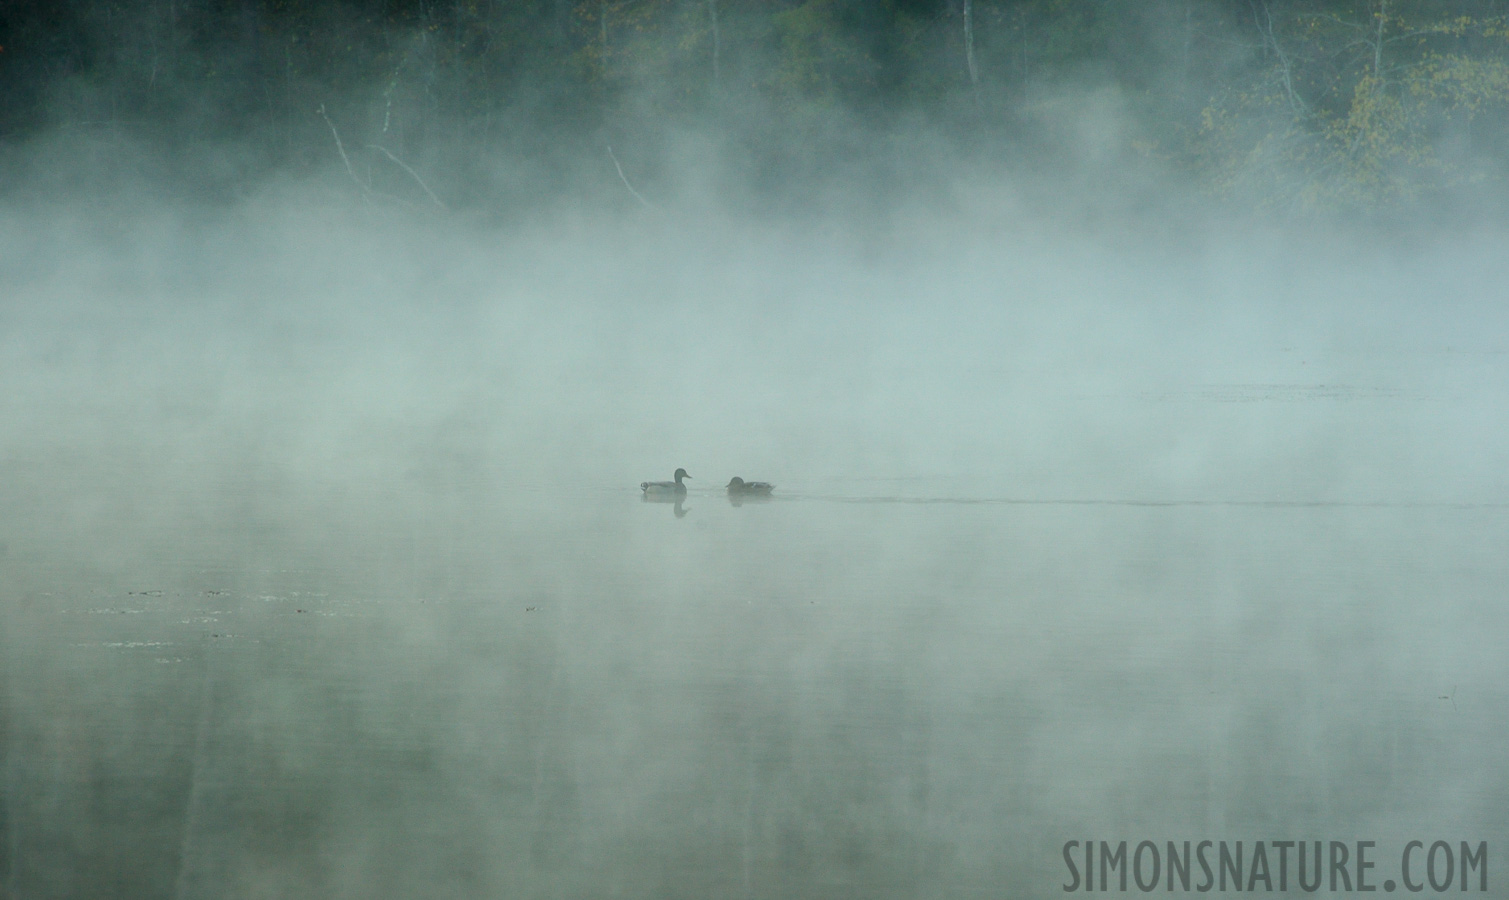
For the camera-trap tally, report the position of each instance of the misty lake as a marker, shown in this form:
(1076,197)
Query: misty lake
(861,688)
(358,597)
(1133,377)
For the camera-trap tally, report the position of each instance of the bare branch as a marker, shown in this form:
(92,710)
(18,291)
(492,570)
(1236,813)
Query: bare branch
(625,180)
(342,149)
(1265,28)
(412,174)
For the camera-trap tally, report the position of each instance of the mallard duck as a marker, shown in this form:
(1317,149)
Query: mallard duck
(740,487)
(666,487)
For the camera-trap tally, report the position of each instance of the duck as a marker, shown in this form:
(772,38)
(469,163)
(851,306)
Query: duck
(741,488)
(666,487)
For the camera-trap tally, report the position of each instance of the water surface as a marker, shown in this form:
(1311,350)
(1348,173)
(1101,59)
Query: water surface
(861,688)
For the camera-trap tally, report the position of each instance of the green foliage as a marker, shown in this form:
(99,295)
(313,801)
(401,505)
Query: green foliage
(817,61)
(1356,114)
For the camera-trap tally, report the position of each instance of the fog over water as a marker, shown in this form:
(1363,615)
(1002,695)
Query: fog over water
(326,571)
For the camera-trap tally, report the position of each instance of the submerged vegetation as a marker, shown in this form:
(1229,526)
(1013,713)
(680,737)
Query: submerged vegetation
(1299,105)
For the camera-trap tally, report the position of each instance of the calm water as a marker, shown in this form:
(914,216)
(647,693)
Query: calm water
(357,597)
(864,688)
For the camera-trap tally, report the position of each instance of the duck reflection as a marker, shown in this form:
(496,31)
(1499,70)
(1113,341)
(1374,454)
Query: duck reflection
(674,499)
(741,491)
(741,499)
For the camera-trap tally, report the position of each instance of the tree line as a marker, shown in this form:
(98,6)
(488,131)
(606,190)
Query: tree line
(1300,104)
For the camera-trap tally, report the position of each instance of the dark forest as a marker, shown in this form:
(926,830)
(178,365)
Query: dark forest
(1302,106)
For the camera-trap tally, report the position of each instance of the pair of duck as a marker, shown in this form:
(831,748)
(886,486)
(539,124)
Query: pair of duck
(738,487)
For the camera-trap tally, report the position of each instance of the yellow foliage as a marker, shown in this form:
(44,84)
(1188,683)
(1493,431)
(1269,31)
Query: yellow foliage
(1366,139)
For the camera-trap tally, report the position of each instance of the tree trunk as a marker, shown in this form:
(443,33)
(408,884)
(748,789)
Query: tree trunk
(969,43)
(1189,34)
(712,12)
(602,21)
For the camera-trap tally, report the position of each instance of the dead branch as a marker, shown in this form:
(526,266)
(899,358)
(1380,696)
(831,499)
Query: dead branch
(625,180)
(412,174)
(342,149)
